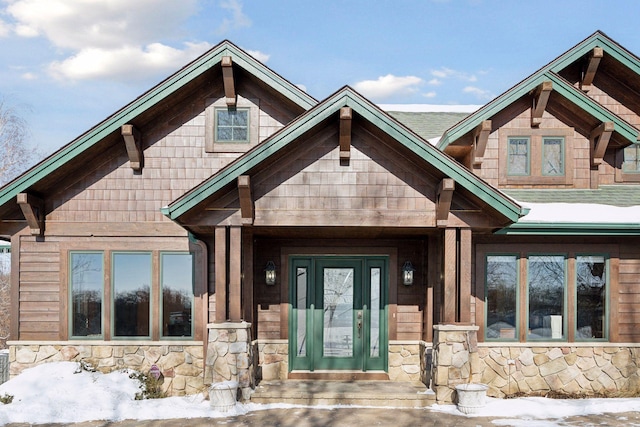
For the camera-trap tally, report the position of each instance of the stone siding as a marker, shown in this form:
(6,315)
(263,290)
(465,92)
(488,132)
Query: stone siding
(181,364)
(572,369)
(273,359)
(404,362)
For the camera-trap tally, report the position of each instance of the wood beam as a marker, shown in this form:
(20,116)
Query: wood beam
(599,140)
(220,250)
(449,276)
(480,138)
(592,67)
(346,115)
(443,201)
(235,274)
(133,142)
(246,200)
(540,99)
(465,275)
(33,210)
(228,81)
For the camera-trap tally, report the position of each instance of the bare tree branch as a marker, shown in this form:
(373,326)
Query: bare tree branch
(15,154)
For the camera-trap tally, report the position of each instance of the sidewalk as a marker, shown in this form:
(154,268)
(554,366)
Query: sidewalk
(361,417)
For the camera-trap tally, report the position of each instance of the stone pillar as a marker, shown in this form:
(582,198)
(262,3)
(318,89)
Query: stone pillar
(229,355)
(455,359)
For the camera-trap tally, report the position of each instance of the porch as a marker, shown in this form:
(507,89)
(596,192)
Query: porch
(362,393)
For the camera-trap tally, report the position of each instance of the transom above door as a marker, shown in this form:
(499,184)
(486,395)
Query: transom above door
(338,313)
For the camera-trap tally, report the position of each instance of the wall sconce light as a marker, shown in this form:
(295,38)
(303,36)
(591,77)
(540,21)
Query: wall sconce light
(270,273)
(407,273)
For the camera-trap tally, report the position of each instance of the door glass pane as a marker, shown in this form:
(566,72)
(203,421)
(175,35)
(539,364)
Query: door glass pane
(546,296)
(131,294)
(591,286)
(502,285)
(87,278)
(177,294)
(301,304)
(338,312)
(553,156)
(375,312)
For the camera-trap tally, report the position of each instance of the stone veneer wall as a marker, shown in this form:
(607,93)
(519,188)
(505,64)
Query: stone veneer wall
(181,363)
(229,356)
(404,361)
(577,368)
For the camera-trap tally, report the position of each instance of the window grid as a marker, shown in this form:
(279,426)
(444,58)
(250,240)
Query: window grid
(232,125)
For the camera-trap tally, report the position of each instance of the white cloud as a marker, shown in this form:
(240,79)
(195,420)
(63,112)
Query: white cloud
(4,29)
(301,87)
(96,63)
(448,73)
(479,93)
(429,94)
(29,76)
(435,82)
(260,56)
(238,18)
(387,86)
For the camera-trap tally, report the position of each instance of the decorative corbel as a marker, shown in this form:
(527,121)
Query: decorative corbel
(598,141)
(443,201)
(480,138)
(227,80)
(540,99)
(133,142)
(345,132)
(592,67)
(33,210)
(246,200)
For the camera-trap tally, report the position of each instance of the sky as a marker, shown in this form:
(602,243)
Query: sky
(60,392)
(66,65)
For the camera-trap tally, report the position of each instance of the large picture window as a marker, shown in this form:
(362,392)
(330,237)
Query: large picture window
(177,294)
(131,294)
(86,291)
(541,296)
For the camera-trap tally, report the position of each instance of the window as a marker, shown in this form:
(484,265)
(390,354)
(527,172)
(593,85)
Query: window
(86,292)
(232,125)
(134,282)
(539,296)
(231,130)
(631,162)
(501,296)
(552,156)
(546,296)
(131,294)
(535,156)
(177,294)
(518,160)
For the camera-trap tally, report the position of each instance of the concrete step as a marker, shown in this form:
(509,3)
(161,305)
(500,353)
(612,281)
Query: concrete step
(361,393)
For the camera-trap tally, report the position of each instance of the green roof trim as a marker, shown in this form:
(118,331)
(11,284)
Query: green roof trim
(150,98)
(560,85)
(346,97)
(571,229)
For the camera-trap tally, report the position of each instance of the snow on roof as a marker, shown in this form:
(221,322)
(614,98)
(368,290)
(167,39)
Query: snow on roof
(429,108)
(579,213)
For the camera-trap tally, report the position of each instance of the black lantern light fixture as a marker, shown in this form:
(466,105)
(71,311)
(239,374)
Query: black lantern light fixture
(270,273)
(407,273)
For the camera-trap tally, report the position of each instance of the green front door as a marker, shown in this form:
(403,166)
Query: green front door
(338,313)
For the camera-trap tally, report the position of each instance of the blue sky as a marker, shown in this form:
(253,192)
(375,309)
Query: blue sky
(68,64)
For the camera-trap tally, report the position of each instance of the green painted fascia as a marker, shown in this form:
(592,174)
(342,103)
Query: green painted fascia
(346,97)
(147,100)
(561,86)
(571,229)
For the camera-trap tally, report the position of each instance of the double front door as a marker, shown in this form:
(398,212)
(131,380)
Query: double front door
(338,318)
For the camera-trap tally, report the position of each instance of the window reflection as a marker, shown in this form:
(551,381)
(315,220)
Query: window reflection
(591,290)
(546,296)
(86,294)
(131,294)
(177,294)
(502,285)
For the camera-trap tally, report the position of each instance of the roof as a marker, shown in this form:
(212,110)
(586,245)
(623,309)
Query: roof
(561,86)
(427,124)
(149,99)
(613,195)
(349,98)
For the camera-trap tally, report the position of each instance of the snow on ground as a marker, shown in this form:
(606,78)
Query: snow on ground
(579,213)
(53,392)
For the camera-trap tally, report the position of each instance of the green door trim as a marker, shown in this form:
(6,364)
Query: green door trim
(370,353)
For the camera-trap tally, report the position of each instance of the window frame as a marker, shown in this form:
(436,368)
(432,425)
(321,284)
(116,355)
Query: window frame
(607,304)
(565,291)
(536,155)
(528,153)
(103,303)
(212,145)
(562,155)
(113,294)
(517,301)
(622,175)
(217,125)
(161,295)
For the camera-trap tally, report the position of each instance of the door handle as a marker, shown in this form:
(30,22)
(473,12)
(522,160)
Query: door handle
(359,324)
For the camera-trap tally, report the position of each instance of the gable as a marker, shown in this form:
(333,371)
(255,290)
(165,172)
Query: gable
(277,149)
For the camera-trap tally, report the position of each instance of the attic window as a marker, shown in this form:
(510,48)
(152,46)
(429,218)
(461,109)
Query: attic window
(232,125)
(631,162)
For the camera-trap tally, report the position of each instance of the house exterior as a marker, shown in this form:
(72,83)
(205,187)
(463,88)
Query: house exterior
(227,226)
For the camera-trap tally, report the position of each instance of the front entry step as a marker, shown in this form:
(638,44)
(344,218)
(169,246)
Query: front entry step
(362,393)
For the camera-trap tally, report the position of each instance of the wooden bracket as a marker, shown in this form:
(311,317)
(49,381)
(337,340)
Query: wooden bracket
(133,142)
(592,67)
(540,99)
(480,138)
(227,80)
(346,115)
(443,201)
(246,200)
(33,211)
(599,140)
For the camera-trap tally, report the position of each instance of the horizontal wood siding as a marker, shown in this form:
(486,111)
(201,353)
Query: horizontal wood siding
(628,315)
